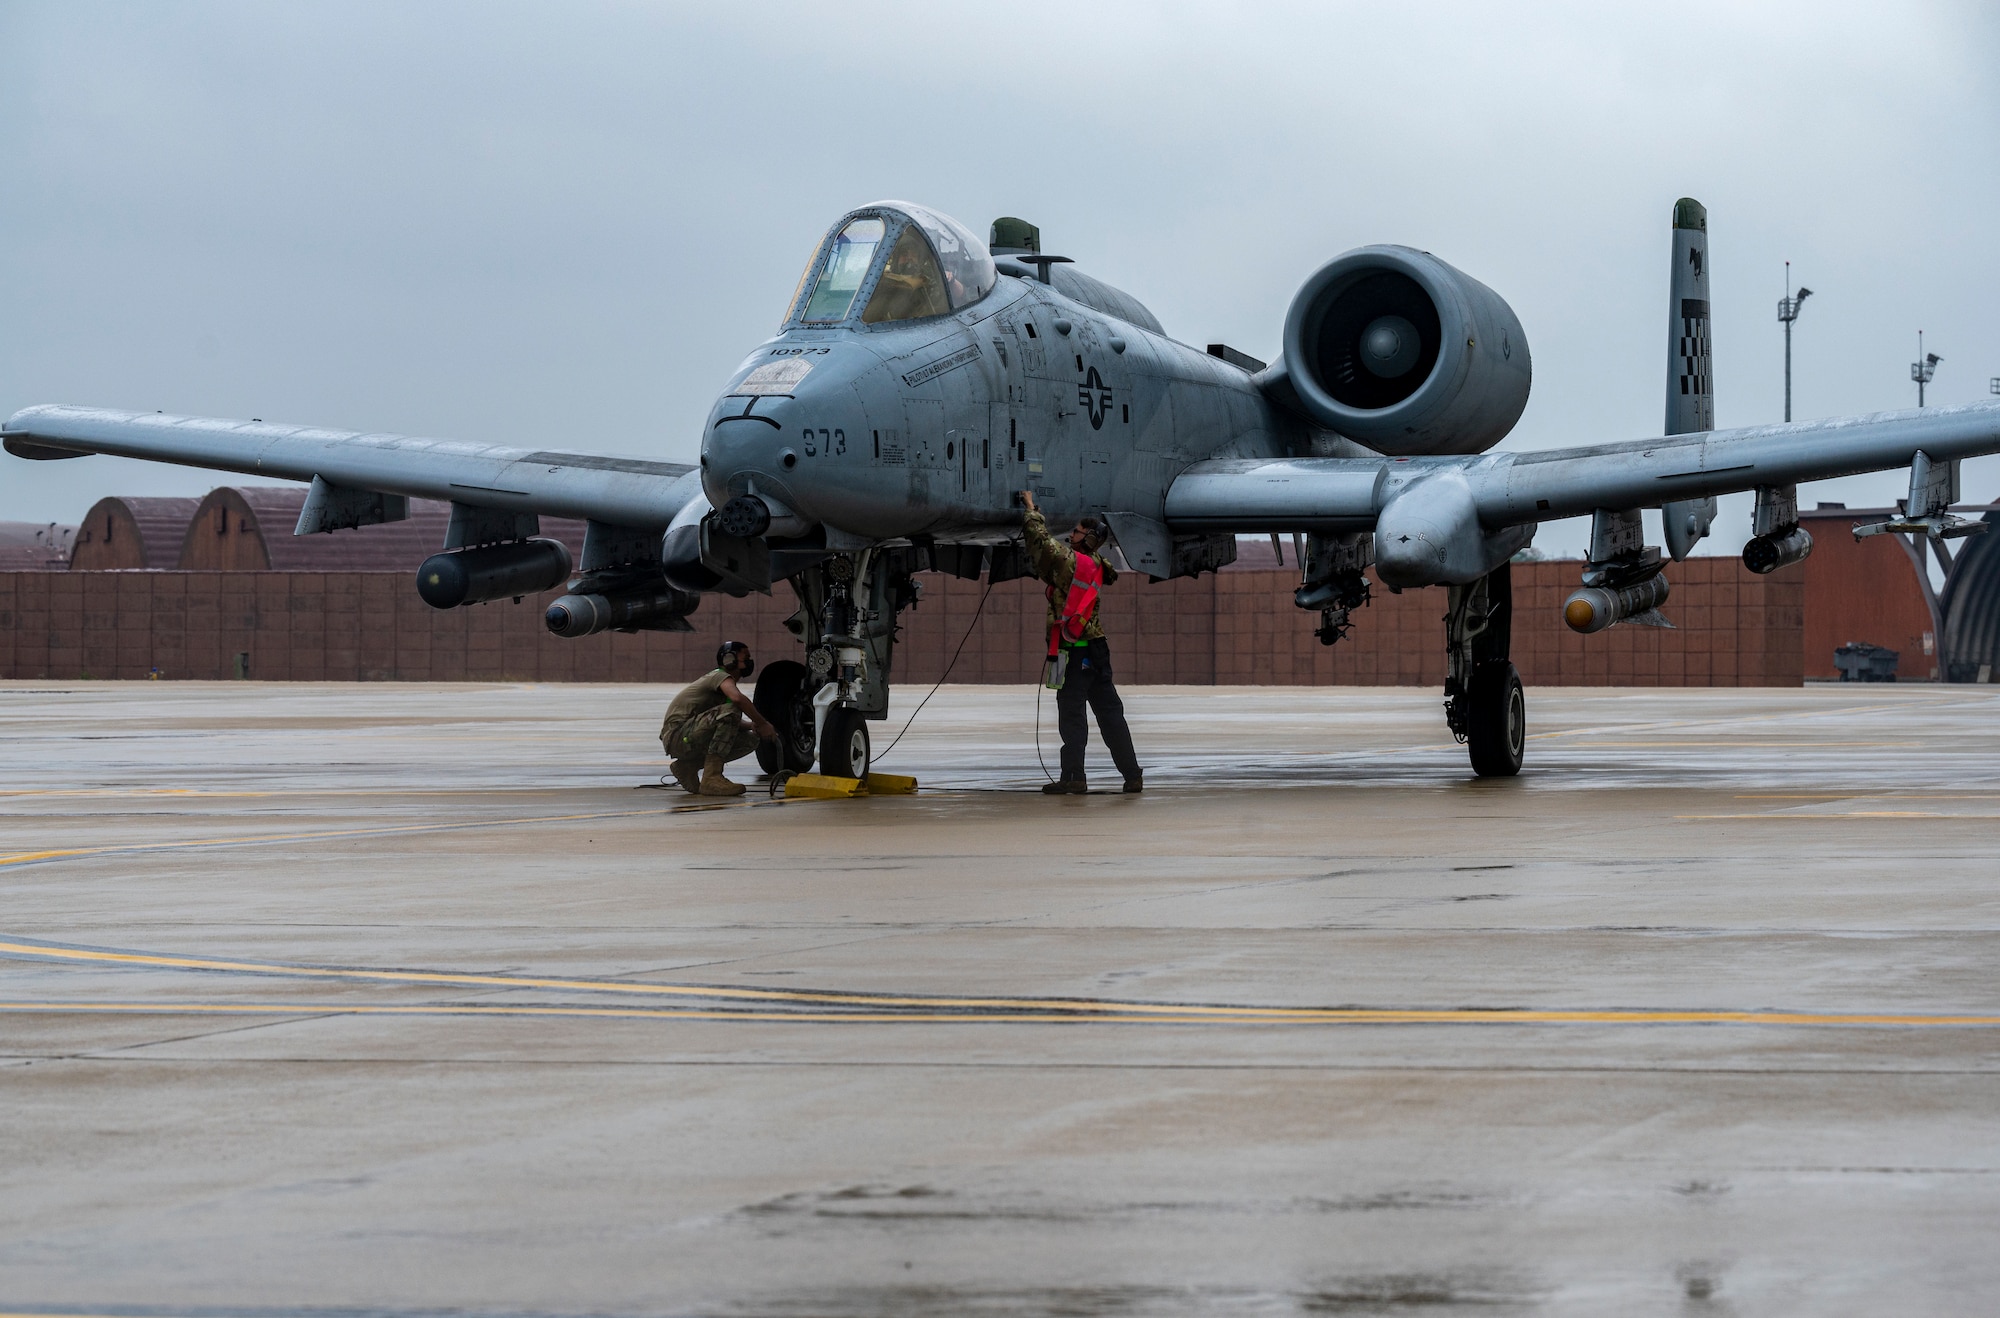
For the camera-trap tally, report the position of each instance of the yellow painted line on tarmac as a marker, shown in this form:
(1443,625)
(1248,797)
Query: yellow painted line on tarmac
(613,1013)
(1747,744)
(94,956)
(28,857)
(1866,795)
(124,791)
(1721,721)
(910,1006)
(23,858)
(1026,1011)
(208,793)
(1797,817)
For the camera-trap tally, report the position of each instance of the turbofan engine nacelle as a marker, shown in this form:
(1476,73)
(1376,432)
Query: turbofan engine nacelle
(1392,347)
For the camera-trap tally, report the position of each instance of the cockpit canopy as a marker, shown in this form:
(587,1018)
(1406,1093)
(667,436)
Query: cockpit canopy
(892,261)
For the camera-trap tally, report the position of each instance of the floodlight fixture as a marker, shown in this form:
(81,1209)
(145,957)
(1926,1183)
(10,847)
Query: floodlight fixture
(1922,369)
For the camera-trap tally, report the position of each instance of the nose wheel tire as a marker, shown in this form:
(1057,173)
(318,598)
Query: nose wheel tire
(784,696)
(1496,725)
(843,744)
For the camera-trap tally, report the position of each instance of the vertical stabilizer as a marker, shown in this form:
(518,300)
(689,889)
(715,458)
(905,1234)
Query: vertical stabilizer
(1690,384)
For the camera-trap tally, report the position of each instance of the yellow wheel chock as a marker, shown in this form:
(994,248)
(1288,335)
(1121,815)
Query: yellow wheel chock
(825,787)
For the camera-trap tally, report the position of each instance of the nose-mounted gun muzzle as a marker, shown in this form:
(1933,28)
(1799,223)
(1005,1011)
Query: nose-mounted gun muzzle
(750,515)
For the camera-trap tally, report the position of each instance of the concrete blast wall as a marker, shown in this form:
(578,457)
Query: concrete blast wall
(1733,629)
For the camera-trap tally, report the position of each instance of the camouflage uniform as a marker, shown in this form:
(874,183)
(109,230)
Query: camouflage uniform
(720,732)
(1055,564)
(702,722)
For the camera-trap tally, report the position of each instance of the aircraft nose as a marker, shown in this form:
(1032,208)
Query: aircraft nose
(748,430)
(783,416)
(759,444)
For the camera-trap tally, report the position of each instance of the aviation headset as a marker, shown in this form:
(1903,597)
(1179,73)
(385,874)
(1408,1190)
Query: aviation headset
(728,650)
(1094,528)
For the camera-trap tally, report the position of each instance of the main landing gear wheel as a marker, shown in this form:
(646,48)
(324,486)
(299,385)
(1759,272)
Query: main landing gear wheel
(843,743)
(784,696)
(1496,720)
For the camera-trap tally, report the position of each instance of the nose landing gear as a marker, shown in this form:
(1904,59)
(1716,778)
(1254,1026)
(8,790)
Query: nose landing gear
(847,619)
(843,743)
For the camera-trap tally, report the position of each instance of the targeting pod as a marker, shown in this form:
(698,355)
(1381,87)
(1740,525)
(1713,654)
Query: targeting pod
(1768,553)
(1594,608)
(491,572)
(636,610)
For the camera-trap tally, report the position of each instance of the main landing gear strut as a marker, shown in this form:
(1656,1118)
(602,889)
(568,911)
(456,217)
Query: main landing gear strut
(847,618)
(1483,703)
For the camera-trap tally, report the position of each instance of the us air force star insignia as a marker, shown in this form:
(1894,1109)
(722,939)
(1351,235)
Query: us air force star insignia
(1094,394)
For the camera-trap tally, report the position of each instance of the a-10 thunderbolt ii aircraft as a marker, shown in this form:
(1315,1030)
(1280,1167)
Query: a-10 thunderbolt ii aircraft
(921,378)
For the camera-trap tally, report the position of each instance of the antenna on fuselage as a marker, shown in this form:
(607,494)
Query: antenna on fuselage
(1042,263)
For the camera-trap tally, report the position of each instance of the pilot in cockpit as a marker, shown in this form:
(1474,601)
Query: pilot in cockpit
(910,285)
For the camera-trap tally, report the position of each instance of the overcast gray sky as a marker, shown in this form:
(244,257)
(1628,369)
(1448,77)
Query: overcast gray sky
(563,224)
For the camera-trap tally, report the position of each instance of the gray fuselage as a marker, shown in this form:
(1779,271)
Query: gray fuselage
(930,427)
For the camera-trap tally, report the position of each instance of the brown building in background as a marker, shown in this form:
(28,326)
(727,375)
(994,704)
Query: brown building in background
(1234,626)
(248,528)
(231,590)
(35,546)
(1869,591)
(122,532)
(1863,590)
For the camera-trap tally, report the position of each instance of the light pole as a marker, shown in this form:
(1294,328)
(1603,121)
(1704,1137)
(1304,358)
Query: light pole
(1923,368)
(1788,311)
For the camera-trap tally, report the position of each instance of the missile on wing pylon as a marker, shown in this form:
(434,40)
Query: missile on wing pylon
(1594,608)
(631,610)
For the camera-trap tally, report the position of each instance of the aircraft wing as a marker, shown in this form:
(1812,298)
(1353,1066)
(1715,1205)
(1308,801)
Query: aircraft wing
(628,492)
(1514,489)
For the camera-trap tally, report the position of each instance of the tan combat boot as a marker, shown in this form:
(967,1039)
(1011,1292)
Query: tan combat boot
(687,774)
(712,781)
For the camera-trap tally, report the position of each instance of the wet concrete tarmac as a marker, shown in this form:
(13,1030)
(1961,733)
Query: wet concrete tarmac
(409,998)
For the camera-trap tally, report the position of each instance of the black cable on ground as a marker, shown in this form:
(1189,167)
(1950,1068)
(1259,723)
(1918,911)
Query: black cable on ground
(947,669)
